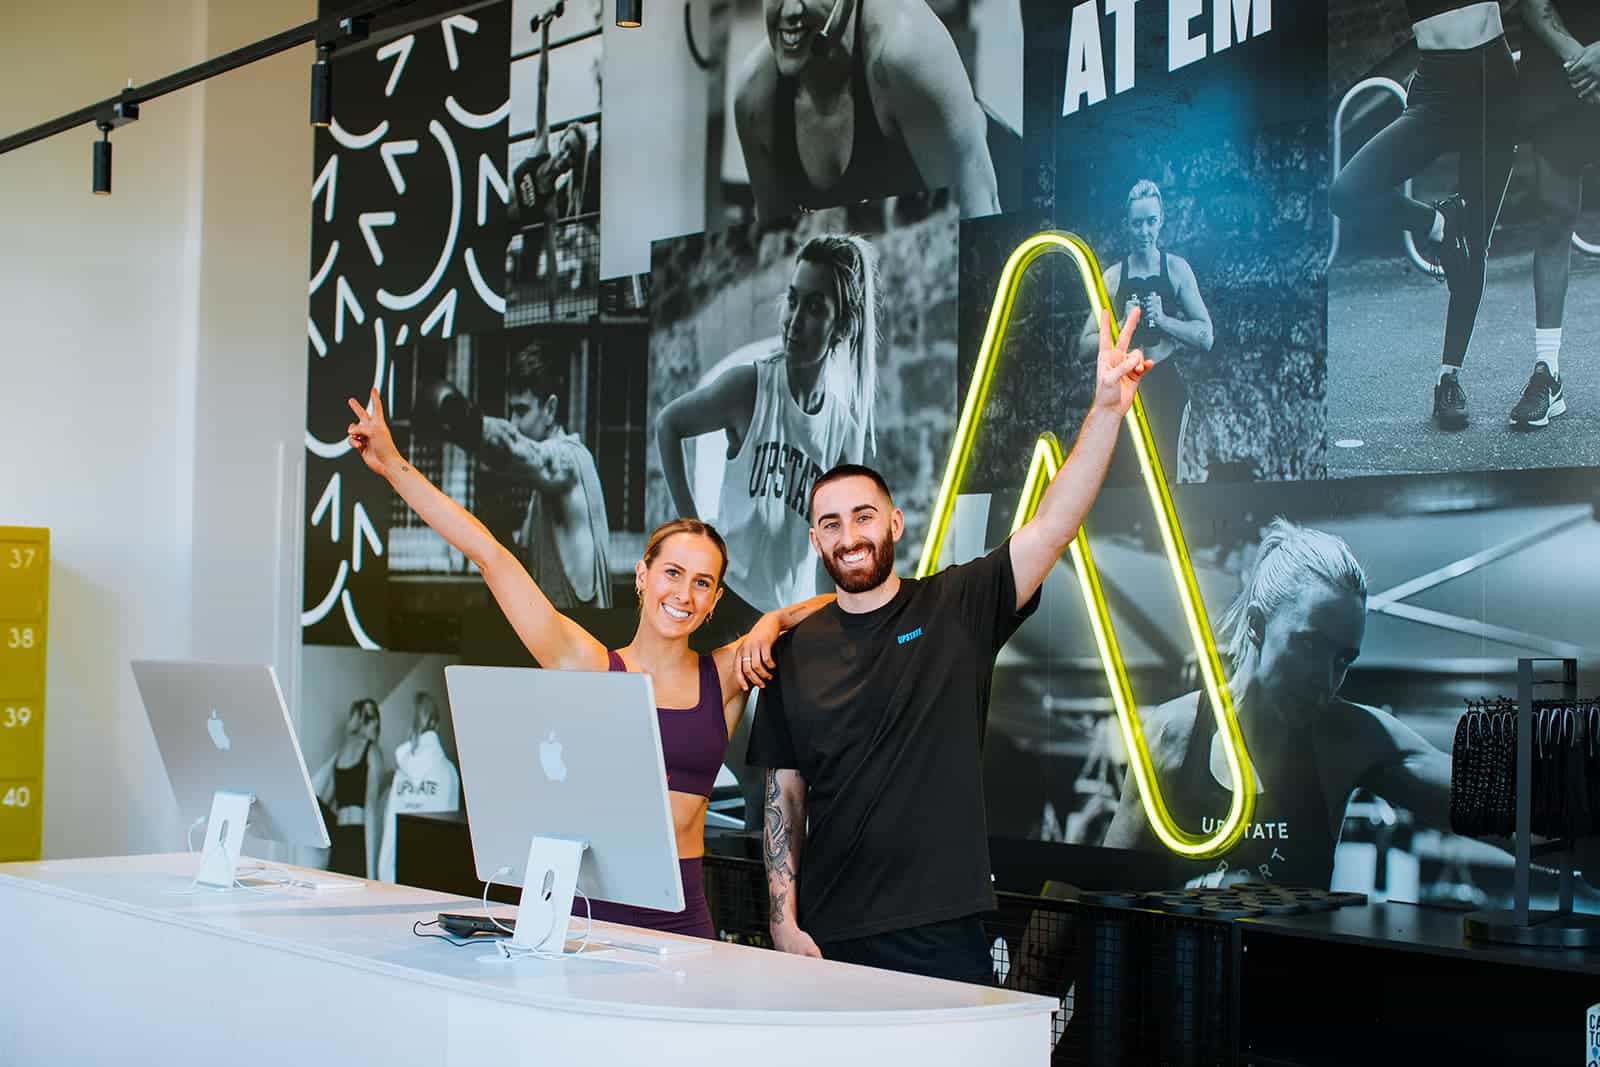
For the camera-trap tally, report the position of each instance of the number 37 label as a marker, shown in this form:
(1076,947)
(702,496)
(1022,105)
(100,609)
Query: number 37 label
(24,576)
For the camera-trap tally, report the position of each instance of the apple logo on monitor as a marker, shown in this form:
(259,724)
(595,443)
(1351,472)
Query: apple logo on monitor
(218,732)
(555,768)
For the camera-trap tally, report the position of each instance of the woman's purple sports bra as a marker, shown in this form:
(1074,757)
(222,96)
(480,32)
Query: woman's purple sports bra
(693,740)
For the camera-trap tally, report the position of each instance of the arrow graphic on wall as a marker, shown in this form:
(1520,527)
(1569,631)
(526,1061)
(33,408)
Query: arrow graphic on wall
(363,530)
(326,184)
(345,297)
(400,51)
(328,504)
(390,150)
(370,221)
(449,26)
(489,178)
(446,310)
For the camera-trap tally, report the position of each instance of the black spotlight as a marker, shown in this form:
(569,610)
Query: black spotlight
(120,113)
(322,87)
(102,161)
(630,13)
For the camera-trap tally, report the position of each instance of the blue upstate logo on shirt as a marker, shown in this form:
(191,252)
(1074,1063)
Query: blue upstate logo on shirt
(912,636)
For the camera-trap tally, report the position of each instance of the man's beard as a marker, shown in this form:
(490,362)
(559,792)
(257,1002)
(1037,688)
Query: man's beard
(882,556)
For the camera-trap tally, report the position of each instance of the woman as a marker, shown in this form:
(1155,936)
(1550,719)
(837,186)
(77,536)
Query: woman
(424,779)
(789,416)
(1463,99)
(1292,634)
(1172,316)
(350,789)
(678,583)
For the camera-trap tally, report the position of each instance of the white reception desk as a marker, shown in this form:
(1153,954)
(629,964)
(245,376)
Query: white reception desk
(111,961)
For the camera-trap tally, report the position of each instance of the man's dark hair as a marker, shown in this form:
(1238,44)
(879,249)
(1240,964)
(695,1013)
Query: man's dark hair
(540,369)
(842,471)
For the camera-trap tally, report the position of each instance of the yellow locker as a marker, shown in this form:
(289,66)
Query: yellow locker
(24,600)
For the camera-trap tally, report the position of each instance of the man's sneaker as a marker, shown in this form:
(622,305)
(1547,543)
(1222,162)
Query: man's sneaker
(1449,403)
(1542,399)
(1452,253)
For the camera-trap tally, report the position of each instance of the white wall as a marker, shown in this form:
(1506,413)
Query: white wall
(653,180)
(149,367)
(250,385)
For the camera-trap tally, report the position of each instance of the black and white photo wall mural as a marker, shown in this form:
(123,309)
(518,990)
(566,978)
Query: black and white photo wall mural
(602,277)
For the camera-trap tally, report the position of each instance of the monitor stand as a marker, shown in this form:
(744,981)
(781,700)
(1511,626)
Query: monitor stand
(219,859)
(549,885)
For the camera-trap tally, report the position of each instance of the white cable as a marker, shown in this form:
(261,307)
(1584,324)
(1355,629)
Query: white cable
(192,825)
(486,914)
(195,888)
(513,951)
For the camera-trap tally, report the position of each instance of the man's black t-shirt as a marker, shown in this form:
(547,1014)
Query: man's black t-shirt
(882,713)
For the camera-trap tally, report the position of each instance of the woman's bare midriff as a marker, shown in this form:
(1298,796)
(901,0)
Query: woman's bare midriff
(689,823)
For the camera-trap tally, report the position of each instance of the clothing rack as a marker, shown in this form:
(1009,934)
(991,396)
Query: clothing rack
(1520,924)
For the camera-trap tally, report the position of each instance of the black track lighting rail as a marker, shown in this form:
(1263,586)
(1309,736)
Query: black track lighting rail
(115,109)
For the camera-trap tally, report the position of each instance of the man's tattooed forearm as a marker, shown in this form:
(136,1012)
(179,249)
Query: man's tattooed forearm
(778,836)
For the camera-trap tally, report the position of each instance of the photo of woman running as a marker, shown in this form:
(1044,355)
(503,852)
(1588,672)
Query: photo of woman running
(678,583)
(1464,100)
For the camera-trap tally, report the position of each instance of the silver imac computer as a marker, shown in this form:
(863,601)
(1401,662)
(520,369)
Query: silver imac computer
(233,758)
(566,790)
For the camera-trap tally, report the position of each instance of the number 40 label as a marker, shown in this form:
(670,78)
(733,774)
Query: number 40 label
(16,796)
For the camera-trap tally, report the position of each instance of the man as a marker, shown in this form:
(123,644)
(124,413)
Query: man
(1561,114)
(1291,634)
(875,840)
(859,100)
(565,534)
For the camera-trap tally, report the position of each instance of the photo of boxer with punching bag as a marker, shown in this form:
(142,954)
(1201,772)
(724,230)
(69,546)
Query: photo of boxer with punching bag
(564,534)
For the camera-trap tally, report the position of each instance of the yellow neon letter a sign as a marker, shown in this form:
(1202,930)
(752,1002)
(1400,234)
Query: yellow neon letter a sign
(1047,459)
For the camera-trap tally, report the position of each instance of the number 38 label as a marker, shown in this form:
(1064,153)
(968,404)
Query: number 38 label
(22,647)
